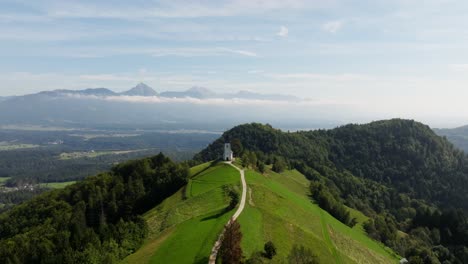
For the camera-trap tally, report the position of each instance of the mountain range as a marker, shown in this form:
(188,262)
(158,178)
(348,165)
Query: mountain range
(146,91)
(195,108)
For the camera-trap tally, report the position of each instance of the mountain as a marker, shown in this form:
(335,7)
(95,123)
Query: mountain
(204,93)
(88,92)
(194,92)
(144,90)
(398,172)
(141,90)
(257,96)
(142,106)
(458,136)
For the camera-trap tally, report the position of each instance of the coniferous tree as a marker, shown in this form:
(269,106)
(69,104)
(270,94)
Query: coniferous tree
(231,252)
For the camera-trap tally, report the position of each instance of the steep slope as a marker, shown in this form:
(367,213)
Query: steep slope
(93,221)
(278,209)
(406,155)
(410,181)
(185,226)
(402,154)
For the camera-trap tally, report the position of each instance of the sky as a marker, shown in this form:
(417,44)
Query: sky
(398,58)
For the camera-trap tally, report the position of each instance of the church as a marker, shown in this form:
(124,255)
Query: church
(228,154)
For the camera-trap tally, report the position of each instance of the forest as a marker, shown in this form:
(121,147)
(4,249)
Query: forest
(410,183)
(94,221)
(397,172)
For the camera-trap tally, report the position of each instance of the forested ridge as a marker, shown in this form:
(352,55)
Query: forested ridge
(411,182)
(94,221)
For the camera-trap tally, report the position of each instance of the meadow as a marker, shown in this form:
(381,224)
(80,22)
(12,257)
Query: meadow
(184,227)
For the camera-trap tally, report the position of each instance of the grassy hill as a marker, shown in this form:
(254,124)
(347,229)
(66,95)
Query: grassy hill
(184,227)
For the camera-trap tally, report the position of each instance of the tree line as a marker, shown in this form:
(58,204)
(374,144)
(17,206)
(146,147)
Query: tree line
(95,221)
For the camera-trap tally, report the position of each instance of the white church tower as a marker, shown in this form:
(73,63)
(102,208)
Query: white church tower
(228,154)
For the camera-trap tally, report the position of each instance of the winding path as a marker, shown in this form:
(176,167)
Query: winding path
(217,245)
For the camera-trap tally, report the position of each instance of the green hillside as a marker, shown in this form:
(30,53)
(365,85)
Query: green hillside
(409,182)
(280,210)
(184,227)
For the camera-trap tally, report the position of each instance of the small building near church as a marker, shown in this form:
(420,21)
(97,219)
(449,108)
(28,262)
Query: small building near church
(228,154)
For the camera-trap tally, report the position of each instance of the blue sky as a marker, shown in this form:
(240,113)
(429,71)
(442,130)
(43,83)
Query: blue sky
(396,58)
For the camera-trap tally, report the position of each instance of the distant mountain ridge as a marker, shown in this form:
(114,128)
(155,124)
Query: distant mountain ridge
(141,90)
(458,136)
(144,105)
(146,91)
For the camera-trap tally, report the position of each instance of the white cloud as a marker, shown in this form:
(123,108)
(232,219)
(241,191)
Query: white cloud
(283,32)
(332,26)
(196,52)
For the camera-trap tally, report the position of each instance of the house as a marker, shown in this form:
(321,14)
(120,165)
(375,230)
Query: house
(228,154)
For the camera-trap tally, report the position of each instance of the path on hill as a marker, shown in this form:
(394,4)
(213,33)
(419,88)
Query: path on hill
(217,245)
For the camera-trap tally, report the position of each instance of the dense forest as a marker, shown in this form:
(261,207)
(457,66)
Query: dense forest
(409,181)
(94,221)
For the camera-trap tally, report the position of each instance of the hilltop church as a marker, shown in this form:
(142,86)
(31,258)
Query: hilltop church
(228,154)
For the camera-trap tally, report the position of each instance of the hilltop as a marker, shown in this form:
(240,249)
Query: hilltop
(185,226)
(398,172)
(369,193)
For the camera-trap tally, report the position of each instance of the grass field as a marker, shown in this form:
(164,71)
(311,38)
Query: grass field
(93,154)
(57,185)
(3,180)
(184,227)
(7,147)
(280,210)
(184,230)
(88,136)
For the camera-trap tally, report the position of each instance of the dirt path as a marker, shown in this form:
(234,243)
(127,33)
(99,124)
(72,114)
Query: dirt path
(217,245)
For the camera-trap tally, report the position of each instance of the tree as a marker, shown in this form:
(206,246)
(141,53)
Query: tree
(245,159)
(270,250)
(231,252)
(302,255)
(236,146)
(252,159)
(279,165)
(261,166)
